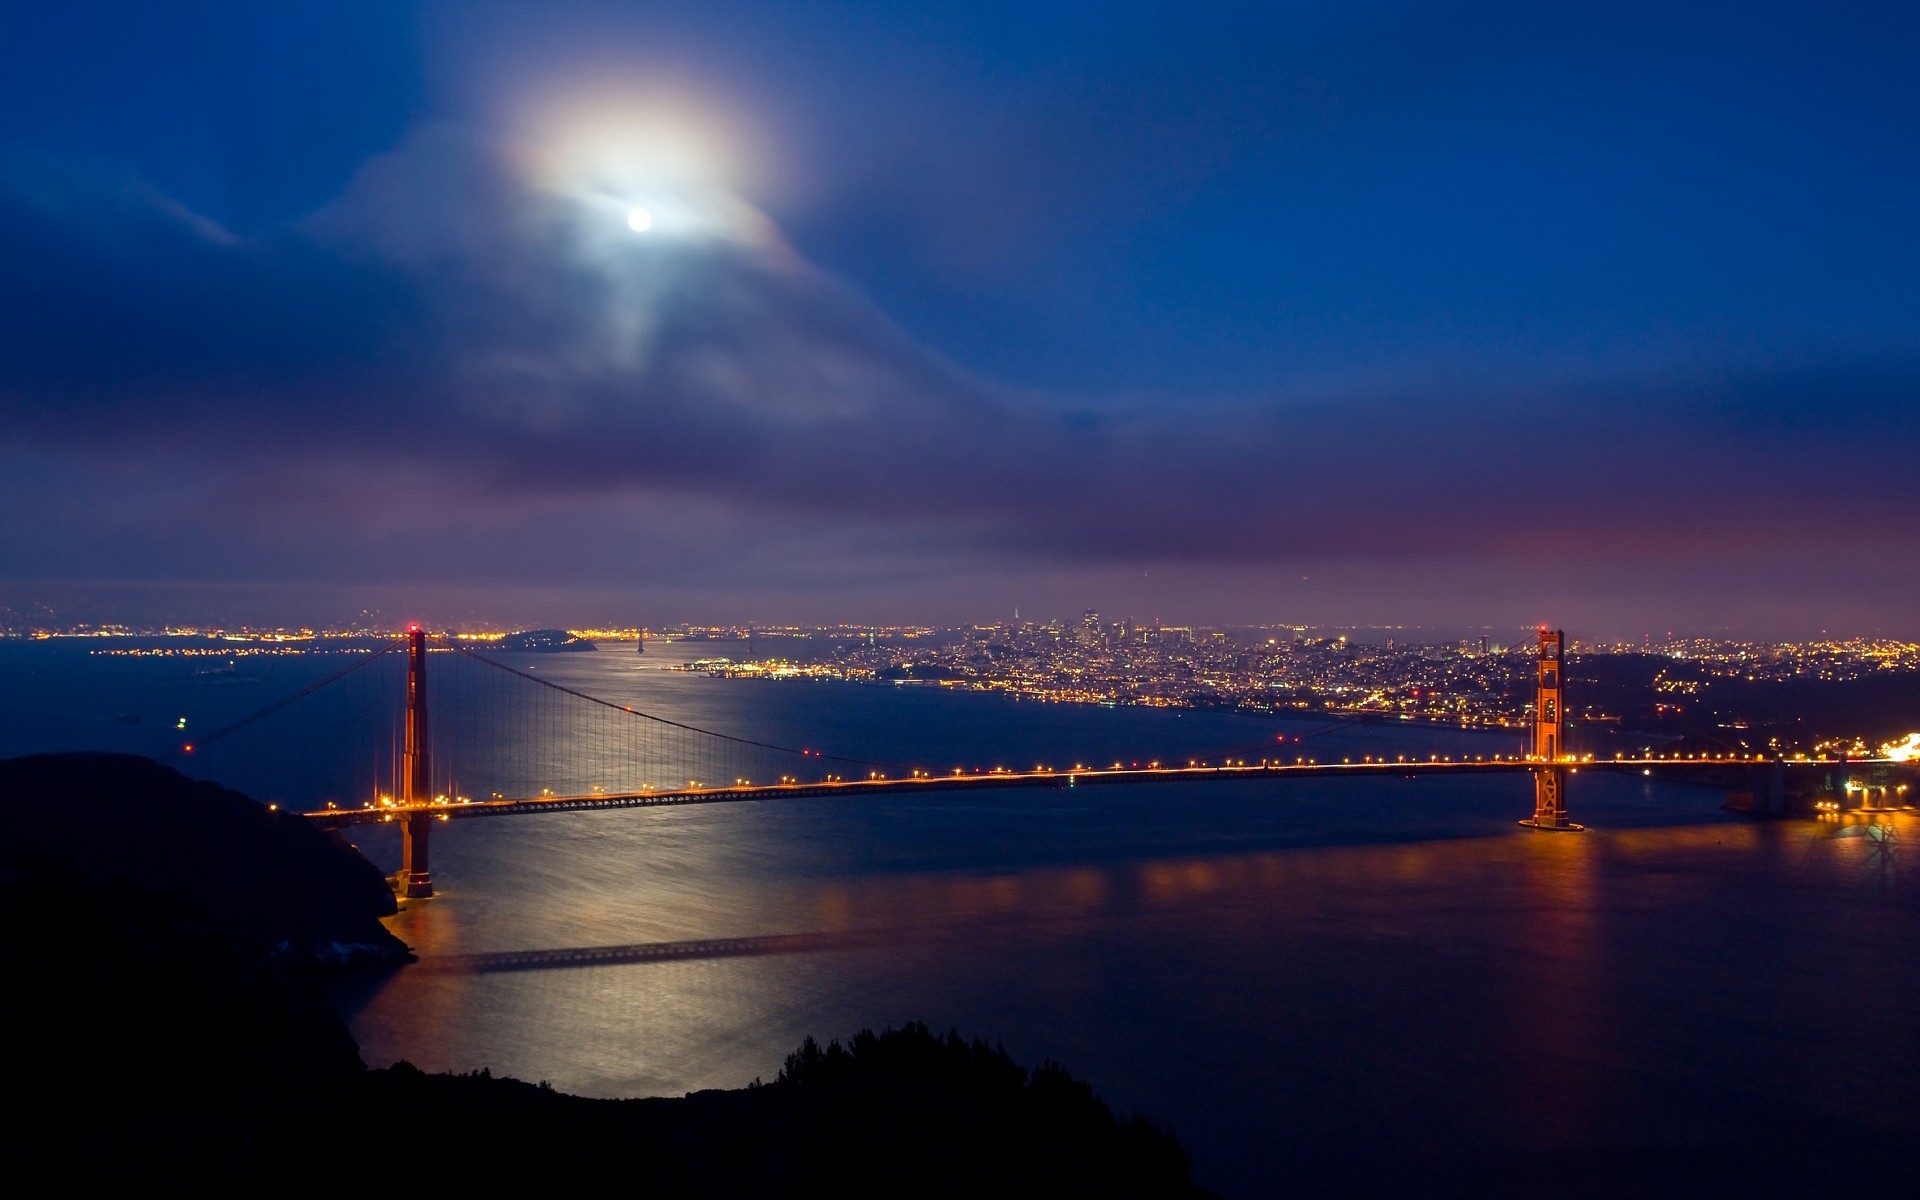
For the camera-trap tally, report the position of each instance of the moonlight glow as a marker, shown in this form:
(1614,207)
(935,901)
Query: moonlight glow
(639,220)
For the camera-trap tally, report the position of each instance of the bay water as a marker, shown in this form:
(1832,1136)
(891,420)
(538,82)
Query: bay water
(1298,977)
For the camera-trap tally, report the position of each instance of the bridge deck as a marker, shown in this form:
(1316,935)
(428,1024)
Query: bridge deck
(880,786)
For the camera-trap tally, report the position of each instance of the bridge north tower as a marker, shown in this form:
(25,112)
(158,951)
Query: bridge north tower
(1549,729)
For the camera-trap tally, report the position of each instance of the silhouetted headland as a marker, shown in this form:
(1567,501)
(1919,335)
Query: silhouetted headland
(268,881)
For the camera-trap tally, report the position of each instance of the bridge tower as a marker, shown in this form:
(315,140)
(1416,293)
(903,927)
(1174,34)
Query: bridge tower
(1549,726)
(416,776)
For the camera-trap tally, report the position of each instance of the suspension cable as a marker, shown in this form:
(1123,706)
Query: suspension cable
(276,706)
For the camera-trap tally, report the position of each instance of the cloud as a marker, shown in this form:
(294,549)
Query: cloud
(462,368)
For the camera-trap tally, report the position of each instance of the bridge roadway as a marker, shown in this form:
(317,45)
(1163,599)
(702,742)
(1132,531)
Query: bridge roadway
(1045,777)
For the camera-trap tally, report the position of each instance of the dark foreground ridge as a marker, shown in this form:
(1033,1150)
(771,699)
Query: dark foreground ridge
(899,1113)
(167,942)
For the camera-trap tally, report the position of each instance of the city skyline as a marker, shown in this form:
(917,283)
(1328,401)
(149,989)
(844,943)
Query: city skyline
(1434,314)
(81,610)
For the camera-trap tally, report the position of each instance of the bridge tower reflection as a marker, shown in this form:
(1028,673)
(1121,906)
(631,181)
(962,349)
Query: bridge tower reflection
(1549,725)
(416,776)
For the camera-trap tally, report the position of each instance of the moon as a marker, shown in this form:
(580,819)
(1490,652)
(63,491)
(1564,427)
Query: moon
(639,220)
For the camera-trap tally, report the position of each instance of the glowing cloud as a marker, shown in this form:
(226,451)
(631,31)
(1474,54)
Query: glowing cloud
(661,164)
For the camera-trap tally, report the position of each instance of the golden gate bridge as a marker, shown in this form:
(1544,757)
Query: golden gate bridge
(518,744)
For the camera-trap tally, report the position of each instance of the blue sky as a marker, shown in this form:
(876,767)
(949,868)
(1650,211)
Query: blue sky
(1404,313)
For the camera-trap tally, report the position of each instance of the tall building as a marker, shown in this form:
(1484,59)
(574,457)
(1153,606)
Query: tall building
(1090,632)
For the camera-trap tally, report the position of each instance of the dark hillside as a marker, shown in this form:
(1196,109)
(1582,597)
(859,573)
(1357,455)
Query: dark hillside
(270,882)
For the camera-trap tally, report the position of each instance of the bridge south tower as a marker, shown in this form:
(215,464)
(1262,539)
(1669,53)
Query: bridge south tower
(1549,729)
(416,776)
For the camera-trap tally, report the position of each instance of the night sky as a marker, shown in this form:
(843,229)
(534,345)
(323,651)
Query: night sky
(1447,314)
